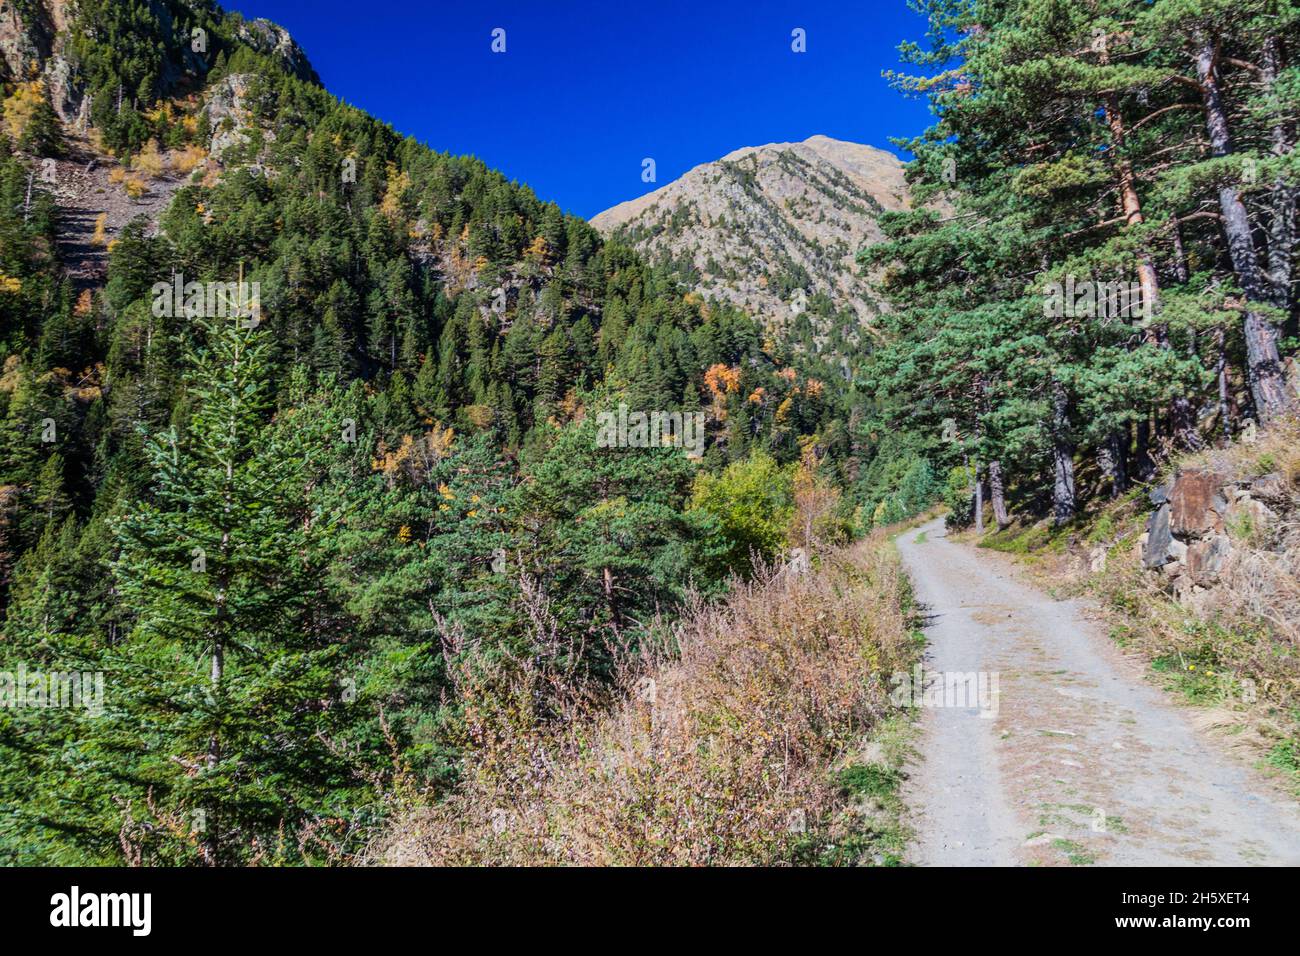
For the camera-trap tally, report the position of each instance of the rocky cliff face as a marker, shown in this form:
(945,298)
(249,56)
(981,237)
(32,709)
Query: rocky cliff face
(768,227)
(26,35)
(34,39)
(32,35)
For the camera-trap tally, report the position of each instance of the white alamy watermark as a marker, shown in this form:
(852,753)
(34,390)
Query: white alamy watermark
(75,908)
(208,300)
(65,689)
(655,429)
(1095,300)
(963,690)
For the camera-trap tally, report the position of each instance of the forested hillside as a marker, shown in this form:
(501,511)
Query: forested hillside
(1116,279)
(275,531)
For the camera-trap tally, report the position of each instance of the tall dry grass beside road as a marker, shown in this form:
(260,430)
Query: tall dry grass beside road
(740,741)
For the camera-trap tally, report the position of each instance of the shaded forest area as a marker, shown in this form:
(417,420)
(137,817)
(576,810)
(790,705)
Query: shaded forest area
(1083,145)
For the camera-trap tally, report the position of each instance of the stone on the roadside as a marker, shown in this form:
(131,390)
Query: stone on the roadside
(1159,537)
(1195,503)
(1206,558)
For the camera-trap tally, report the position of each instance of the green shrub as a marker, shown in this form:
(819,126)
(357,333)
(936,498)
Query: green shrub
(752,505)
(957,496)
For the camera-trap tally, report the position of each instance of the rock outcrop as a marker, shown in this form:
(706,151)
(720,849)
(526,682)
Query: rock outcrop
(229,116)
(32,40)
(1189,535)
(26,39)
(34,35)
(274,40)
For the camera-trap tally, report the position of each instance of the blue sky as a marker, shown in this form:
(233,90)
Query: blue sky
(586,91)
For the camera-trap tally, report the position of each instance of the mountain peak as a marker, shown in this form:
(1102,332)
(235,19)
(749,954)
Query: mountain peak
(761,222)
(822,144)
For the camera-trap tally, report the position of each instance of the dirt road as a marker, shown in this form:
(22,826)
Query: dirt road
(1064,756)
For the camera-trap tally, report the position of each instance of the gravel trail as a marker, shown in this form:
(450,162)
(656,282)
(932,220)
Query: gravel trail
(1067,757)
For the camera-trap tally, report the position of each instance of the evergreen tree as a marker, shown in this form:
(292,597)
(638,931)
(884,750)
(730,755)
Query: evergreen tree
(233,666)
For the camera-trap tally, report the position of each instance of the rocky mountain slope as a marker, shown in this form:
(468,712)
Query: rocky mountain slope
(97,191)
(38,39)
(763,223)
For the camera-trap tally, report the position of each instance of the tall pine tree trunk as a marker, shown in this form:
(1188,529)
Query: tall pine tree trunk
(1144,465)
(1130,204)
(1263,363)
(997,492)
(1063,495)
(1114,464)
(1282,228)
(1221,376)
(1182,414)
(979,499)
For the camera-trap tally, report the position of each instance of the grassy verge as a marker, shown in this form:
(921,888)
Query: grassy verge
(760,732)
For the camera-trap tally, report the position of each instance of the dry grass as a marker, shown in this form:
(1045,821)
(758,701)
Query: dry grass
(135,184)
(96,139)
(717,749)
(150,162)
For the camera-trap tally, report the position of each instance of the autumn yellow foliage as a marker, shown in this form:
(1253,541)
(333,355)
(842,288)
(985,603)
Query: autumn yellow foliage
(538,249)
(185,161)
(150,161)
(722,379)
(21,106)
(399,184)
(414,457)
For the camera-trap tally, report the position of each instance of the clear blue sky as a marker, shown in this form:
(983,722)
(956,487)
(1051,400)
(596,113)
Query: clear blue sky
(586,91)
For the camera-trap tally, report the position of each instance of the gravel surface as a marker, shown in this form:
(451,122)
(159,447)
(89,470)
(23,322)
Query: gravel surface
(1076,759)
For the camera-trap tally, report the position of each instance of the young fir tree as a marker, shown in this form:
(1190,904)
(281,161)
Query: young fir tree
(234,668)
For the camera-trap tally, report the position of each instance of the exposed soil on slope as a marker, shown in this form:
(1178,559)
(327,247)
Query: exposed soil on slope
(84,192)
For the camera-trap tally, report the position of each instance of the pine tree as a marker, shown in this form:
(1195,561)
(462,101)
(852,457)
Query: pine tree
(611,541)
